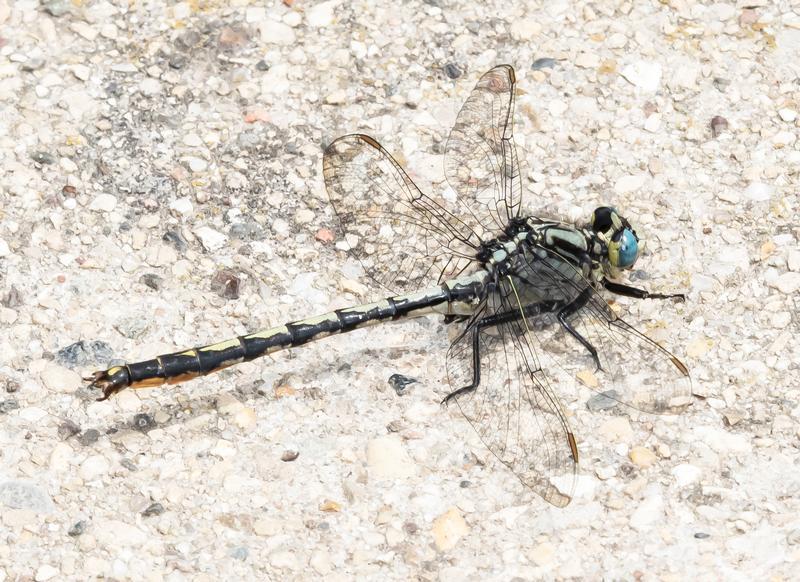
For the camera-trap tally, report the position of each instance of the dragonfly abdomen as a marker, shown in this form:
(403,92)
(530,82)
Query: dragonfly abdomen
(188,364)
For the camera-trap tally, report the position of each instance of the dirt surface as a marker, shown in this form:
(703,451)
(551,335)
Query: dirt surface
(161,187)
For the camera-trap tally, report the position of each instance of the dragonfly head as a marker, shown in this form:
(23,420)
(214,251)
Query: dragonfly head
(620,239)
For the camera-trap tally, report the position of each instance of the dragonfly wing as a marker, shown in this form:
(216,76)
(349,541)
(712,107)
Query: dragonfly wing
(513,408)
(634,369)
(481,162)
(403,238)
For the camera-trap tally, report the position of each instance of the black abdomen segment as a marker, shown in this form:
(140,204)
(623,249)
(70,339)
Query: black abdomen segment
(185,365)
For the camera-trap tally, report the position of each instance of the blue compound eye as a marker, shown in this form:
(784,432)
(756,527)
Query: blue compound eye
(623,250)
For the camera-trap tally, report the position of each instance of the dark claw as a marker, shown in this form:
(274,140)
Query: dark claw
(109,384)
(446,400)
(679,296)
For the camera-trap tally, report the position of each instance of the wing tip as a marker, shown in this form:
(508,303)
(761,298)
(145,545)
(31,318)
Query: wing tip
(680,365)
(370,141)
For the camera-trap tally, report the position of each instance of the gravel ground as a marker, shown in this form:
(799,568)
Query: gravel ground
(160,180)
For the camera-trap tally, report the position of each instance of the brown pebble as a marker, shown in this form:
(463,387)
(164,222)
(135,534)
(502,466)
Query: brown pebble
(330,506)
(289,456)
(283,390)
(324,235)
(718,125)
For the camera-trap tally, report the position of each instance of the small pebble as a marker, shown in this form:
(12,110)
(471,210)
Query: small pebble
(387,459)
(103,203)
(448,529)
(452,71)
(153,509)
(616,429)
(226,283)
(43,158)
(544,63)
(45,572)
(89,437)
(68,429)
(77,528)
(701,535)
(8,404)
(642,457)
(603,401)
(718,125)
(210,238)
(143,422)
(400,383)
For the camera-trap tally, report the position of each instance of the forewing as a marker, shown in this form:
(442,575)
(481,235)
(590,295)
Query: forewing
(403,238)
(635,370)
(481,162)
(513,409)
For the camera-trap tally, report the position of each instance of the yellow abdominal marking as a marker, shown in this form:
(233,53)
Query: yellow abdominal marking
(268,333)
(231,343)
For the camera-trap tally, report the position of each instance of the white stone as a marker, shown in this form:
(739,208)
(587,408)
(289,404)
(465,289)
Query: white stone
(275,32)
(584,106)
(4,248)
(283,559)
(525,29)
(543,553)
(150,86)
(617,40)
(722,441)
(649,512)
(557,107)
(45,572)
(116,534)
(645,75)
(783,139)
(192,140)
(81,72)
(93,467)
(387,459)
(788,283)
(652,123)
(59,379)
(211,239)
(321,562)
(103,203)
(321,15)
(182,206)
(617,429)
(758,191)
(197,164)
(792,260)
(448,529)
(788,115)
(60,457)
(629,183)
(293,19)
(336,97)
(686,474)
(722,11)
(254,14)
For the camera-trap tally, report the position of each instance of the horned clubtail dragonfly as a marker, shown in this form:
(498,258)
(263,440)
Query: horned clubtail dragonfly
(524,289)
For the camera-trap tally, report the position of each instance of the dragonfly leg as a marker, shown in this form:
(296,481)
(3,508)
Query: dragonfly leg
(565,312)
(636,293)
(493,321)
(476,364)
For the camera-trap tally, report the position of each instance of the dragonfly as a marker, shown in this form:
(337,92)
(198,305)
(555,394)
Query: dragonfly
(524,291)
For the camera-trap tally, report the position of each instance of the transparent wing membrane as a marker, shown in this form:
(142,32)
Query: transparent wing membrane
(404,239)
(513,407)
(481,162)
(641,373)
